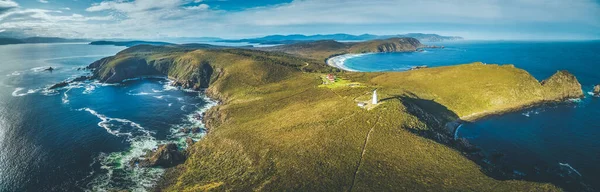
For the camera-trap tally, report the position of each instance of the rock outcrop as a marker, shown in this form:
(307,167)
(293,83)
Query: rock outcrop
(387,46)
(562,85)
(165,156)
(65,83)
(596,91)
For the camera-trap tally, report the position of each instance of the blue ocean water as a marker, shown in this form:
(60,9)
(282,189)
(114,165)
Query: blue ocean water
(564,136)
(81,137)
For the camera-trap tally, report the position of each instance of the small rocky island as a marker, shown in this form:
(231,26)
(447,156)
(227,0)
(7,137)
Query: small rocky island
(596,91)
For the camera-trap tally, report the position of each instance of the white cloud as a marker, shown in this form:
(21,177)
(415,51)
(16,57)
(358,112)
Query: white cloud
(43,1)
(198,7)
(151,18)
(7,5)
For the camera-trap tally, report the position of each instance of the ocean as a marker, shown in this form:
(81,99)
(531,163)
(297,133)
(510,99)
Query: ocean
(80,137)
(560,138)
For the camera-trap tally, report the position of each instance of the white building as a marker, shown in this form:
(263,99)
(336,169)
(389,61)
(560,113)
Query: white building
(374,97)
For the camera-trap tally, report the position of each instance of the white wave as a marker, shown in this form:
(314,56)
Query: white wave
(456,131)
(156,91)
(571,168)
(49,92)
(106,124)
(182,108)
(16,73)
(140,93)
(117,165)
(89,88)
(65,98)
(40,69)
(159,97)
(170,104)
(114,163)
(16,92)
(168,86)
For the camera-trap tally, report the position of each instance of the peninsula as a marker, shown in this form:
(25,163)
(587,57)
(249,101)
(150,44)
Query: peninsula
(279,127)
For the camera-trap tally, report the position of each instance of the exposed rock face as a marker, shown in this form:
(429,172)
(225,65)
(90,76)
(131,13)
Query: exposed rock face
(59,85)
(597,91)
(65,83)
(399,45)
(562,85)
(165,156)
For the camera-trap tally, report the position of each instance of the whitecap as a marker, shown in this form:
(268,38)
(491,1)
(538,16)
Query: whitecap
(16,73)
(65,98)
(159,97)
(140,93)
(107,125)
(456,131)
(115,163)
(40,69)
(16,92)
(571,168)
(89,88)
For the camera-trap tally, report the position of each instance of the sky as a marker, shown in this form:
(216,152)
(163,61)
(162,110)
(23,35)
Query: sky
(155,19)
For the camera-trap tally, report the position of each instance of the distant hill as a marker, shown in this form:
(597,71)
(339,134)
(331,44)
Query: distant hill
(290,39)
(8,41)
(129,43)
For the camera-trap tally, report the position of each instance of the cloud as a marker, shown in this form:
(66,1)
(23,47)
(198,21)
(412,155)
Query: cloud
(155,18)
(7,5)
(198,7)
(43,1)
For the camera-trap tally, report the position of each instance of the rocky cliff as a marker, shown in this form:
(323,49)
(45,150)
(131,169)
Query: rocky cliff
(386,46)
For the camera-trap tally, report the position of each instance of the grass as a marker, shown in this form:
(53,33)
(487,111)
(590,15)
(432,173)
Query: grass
(280,129)
(294,135)
(338,83)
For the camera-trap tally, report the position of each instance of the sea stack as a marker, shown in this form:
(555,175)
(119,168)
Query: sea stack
(597,90)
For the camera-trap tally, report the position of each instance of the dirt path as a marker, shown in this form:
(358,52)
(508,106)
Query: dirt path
(362,155)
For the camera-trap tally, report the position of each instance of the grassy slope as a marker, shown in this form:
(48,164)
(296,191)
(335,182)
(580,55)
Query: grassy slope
(294,135)
(277,129)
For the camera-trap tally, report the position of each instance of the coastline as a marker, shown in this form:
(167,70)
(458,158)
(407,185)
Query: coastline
(338,61)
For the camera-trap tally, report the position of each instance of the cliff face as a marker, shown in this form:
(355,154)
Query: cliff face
(387,45)
(188,73)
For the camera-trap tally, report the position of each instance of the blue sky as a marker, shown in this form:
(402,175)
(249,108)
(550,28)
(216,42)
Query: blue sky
(154,19)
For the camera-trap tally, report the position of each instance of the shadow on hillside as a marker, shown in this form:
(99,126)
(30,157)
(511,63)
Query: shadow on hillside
(440,124)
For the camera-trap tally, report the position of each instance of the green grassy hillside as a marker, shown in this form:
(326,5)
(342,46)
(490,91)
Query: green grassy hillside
(278,129)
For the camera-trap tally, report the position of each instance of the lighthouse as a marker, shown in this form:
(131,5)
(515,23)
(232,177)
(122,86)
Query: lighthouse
(374,97)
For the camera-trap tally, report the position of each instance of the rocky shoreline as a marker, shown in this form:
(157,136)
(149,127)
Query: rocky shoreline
(214,117)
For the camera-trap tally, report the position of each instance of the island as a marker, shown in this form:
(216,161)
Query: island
(287,121)
(32,40)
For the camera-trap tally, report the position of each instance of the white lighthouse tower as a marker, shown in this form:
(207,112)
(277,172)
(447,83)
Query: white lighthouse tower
(374,97)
